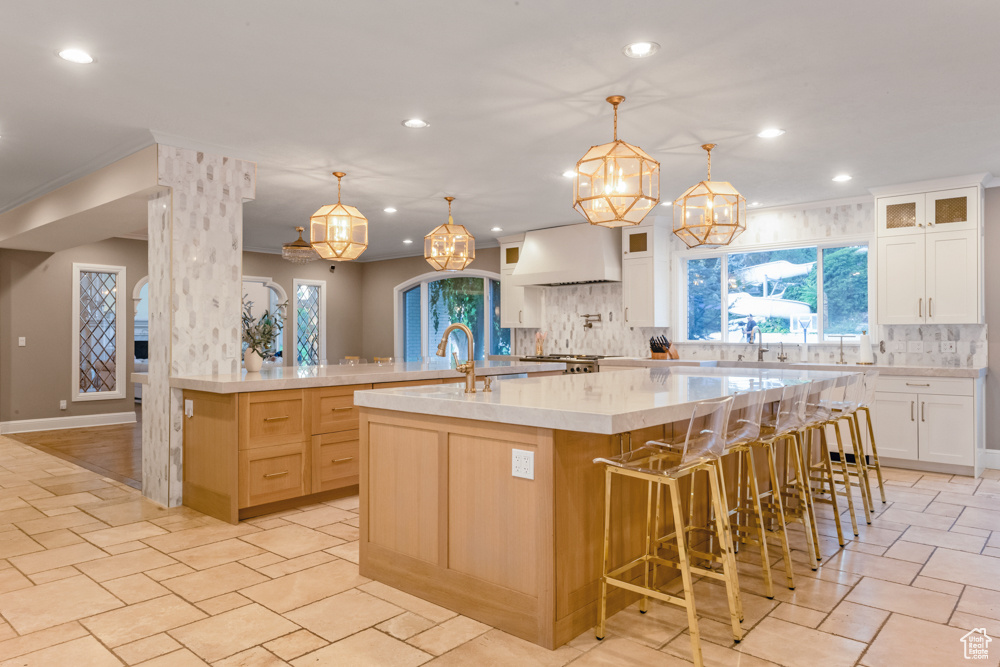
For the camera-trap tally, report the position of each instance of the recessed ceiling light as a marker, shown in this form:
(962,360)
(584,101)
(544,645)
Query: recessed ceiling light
(415,123)
(755,203)
(407,241)
(770,133)
(570,173)
(840,178)
(76,56)
(666,203)
(641,49)
(496,229)
(389,209)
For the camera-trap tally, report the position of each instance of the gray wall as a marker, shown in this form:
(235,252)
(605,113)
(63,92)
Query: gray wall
(991,216)
(379,280)
(36,301)
(343,298)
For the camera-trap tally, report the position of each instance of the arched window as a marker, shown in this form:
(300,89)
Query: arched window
(427,304)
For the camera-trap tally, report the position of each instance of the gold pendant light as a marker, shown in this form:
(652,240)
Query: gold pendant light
(298,251)
(711,213)
(449,247)
(337,231)
(616,184)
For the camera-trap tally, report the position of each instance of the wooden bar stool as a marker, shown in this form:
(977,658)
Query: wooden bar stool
(660,466)
(794,499)
(871,380)
(755,510)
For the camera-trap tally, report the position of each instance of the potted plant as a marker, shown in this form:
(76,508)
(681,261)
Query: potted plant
(260,334)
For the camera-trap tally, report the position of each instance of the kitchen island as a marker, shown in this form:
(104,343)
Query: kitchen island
(444,518)
(257,442)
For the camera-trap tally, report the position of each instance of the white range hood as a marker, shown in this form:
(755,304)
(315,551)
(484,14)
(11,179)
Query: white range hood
(573,254)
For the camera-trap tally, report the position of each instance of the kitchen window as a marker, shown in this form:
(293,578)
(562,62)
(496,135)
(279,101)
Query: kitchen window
(99,340)
(309,322)
(426,305)
(793,295)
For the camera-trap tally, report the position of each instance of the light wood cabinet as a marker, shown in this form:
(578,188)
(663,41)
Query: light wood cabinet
(333,408)
(270,474)
(334,460)
(929,256)
(646,274)
(272,418)
(520,307)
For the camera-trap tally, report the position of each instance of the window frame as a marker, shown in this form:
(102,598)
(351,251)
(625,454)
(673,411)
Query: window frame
(680,279)
(424,279)
(120,334)
(321,284)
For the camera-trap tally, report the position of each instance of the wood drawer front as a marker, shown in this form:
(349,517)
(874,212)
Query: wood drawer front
(333,409)
(926,385)
(335,460)
(272,418)
(406,383)
(269,474)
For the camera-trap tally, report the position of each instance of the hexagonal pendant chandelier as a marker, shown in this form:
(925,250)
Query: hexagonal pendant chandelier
(449,247)
(616,184)
(711,213)
(338,232)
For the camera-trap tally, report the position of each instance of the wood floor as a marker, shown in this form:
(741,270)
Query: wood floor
(111,451)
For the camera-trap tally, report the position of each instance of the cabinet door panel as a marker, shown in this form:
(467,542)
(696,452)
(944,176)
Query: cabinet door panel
(637,291)
(900,215)
(511,303)
(896,426)
(335,461)
(637,242)
(946,429)
(952,210)
(952,278)
(901,280)
(269,474)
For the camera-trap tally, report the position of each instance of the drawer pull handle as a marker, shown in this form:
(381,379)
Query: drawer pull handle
(918,384)
(342,409)
(922,411)
(275,419)
(275,474)
(343,460)
(912,418)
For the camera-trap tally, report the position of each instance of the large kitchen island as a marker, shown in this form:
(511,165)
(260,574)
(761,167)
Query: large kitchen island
(443,516)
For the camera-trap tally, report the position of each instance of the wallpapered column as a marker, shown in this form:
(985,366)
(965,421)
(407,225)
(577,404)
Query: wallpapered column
(195,296)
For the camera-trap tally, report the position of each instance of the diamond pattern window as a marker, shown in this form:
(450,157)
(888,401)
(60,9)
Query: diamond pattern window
(98,353)
(310,322)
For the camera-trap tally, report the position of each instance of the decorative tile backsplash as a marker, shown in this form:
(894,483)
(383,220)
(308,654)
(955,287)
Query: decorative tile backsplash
(563,309)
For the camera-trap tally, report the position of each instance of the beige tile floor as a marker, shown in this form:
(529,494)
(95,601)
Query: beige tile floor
(91,574)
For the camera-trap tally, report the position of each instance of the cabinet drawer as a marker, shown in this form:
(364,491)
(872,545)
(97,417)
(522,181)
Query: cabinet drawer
(407,383)
(333,409)
(335,460)
(926,385)
(269,474)
(272,418)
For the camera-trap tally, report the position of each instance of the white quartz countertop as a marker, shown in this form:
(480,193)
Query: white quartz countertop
(918,371)
(605,403)
(304,377)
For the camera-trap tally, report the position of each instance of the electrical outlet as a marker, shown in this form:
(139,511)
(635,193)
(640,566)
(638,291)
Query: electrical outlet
(915,346)
(62,405)
(897,346)
(947,346)
(188,408)
(522,464)
(22,341)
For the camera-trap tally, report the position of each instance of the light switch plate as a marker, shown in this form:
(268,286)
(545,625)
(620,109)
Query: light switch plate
(522,464)
(21,341)
(947,346)
(915,346)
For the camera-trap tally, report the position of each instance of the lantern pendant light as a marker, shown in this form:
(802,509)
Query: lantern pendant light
(298,251)
(616,184)
(338,232)
(449,247)
(711,213)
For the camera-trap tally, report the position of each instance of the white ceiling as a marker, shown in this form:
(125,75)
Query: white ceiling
(888,91)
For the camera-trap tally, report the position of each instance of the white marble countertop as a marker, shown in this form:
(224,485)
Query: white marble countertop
(303,377)
(605,403)
(918,371)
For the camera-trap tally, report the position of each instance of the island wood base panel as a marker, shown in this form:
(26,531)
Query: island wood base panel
(442,518)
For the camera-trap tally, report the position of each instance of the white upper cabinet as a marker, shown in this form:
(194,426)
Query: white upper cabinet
(646,274)
(929,246)
(520,307)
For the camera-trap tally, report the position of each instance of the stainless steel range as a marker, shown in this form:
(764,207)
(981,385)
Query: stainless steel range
(575,363)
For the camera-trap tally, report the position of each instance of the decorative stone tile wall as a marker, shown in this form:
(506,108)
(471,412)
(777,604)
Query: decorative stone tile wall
(195,291)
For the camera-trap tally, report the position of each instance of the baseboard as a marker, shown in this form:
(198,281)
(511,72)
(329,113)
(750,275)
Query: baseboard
(991,458)
(59,423)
